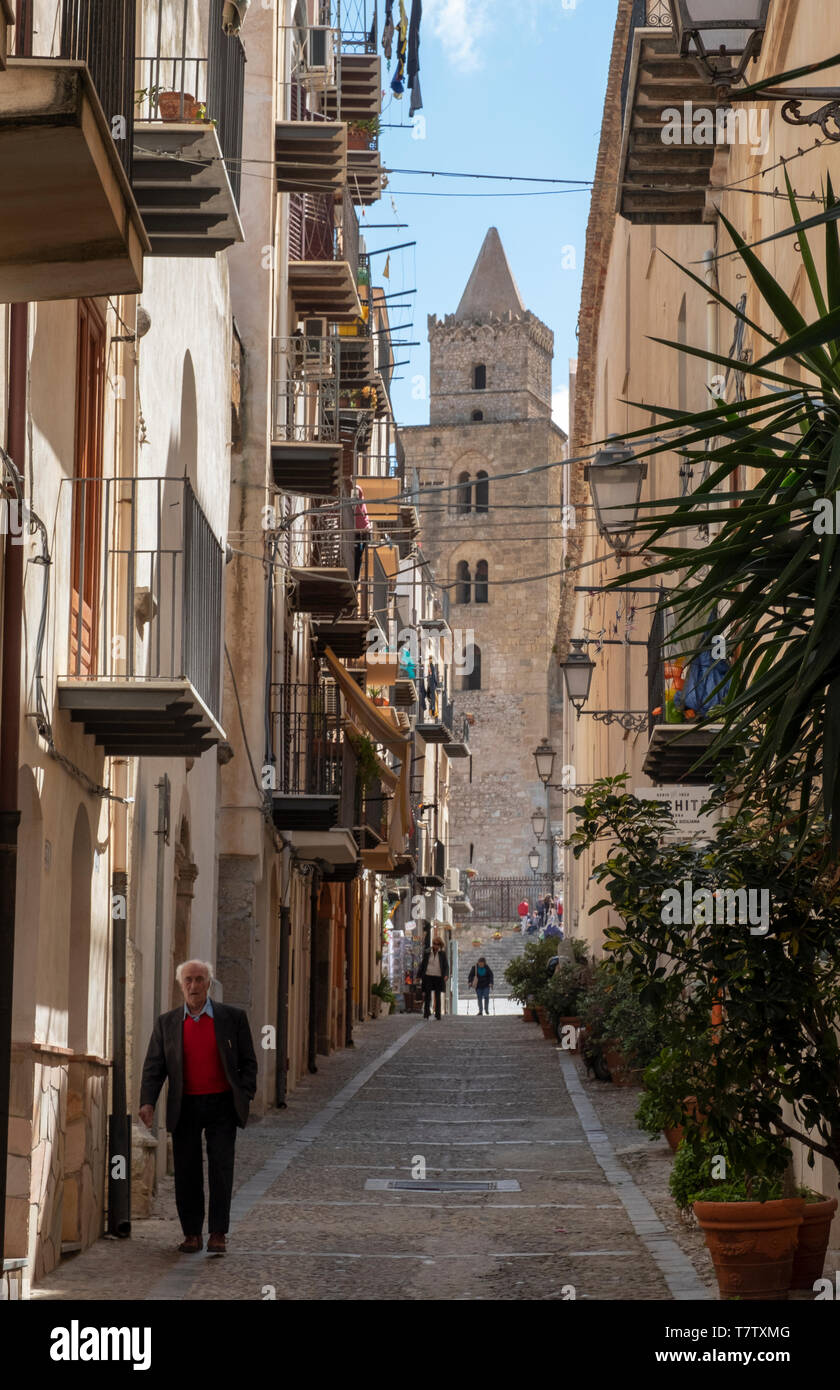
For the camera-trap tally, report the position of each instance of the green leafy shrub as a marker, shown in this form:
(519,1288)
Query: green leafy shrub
(755,1176)
(612,1009)
(526,975)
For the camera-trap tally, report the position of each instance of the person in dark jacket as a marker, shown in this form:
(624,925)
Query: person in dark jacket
(481,976)
(434,972)
(205,1051)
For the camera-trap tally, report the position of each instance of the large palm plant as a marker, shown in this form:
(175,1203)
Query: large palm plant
(766,570)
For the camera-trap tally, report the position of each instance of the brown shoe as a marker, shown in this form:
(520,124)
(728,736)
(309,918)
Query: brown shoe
(216,1244)
(190,1245)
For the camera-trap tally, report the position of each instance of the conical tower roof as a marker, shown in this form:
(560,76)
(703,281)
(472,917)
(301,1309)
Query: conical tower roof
(491,289)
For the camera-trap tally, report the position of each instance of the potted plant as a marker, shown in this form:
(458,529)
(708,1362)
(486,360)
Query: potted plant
(562,994)
(169,106)
(361,134)
(809,1257)
(367,763)
(618,1023)
(377,694)
(751,1228)
(526,975)
(383,992)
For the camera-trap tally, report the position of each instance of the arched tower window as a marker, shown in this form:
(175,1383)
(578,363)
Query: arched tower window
(481,584)
(482,491)
(471,680)
(462,585)
(479,377)
(478,415)
(463,494)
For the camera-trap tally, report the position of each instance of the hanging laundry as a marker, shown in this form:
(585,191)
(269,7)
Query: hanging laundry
(388,31)
(413,60)
(397,81)
(386,271)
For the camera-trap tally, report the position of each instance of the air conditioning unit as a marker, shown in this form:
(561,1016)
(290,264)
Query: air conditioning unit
(316,343)
(452,880)
(319,58)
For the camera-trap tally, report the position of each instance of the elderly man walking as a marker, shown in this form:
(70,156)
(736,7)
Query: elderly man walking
(206,1053)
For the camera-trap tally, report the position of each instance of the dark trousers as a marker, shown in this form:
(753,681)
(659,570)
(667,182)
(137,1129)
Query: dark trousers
(215,1115)
(432,984)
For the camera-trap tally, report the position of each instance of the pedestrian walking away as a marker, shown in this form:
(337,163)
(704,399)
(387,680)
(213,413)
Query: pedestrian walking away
(481,979)
(205,1051)
(434,972)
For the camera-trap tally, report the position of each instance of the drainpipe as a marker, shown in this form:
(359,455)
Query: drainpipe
(119,1121)
(10,732)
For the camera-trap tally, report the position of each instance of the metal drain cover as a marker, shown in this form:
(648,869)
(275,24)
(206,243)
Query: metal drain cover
(438,1185)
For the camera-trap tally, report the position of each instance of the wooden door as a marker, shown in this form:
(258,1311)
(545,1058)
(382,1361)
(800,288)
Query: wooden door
(87,491)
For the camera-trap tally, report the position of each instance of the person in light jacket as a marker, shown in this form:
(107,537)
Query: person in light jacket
(434,972)
(481,976)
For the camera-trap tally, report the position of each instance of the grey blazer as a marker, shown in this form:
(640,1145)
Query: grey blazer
(165,1060)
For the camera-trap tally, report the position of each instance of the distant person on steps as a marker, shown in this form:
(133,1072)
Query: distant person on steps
(434,972)
(481,976)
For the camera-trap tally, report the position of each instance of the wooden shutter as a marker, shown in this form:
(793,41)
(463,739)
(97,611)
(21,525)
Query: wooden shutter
(87,491)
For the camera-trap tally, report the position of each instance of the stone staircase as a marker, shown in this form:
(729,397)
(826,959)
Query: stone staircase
(498,954)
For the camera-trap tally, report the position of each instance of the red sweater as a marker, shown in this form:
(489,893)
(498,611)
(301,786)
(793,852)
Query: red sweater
(203,1071)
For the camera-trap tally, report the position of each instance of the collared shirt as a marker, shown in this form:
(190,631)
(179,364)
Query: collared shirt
(207,1009)
(433,964)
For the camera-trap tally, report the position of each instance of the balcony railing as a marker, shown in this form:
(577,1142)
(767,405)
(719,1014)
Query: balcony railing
(647,14)
(498,899)
(315,388)
(152,599)
(101,34)
(191,71)
(316,233)
(357,20)
(308,740)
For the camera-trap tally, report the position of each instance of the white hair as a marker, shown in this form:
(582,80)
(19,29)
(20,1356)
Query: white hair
(205,964)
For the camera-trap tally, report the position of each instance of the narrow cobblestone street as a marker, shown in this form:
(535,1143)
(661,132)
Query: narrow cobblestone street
(479,1100)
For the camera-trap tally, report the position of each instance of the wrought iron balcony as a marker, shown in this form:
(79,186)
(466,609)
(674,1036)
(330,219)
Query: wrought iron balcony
(661,182)
(675,749)
(69,224)
(143,673)
(324,257)
(314,773)
(190,94)
(435,724)
(323,579)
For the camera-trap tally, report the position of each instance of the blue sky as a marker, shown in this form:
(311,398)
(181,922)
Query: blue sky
(509,87)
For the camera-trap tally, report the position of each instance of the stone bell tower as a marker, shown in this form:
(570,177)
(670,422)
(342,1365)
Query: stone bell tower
(493,542)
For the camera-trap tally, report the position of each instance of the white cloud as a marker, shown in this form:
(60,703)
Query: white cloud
(459,24)
(560,408)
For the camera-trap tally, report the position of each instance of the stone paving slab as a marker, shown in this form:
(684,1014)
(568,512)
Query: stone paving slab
(592,1214)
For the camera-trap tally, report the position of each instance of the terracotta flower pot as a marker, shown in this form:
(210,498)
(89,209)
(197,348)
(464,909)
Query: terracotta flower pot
(674,1135)
(623,1074)
(169,105)
(752,1245)
(358,139)
(809,1257)
(545,1024)
(528,1015)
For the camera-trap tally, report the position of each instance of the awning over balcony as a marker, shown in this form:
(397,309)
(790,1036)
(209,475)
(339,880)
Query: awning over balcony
(69,225)
(675,748)
(135,718)
(183,190)
(324,289)
(661,181)
(360,88)
(364,176)
(306,469)
(382,731)
(311,156)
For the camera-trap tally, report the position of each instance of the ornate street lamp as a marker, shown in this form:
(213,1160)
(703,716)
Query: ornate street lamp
(577,672)
(615,479)
(725,35)
(534,860)
(538,822)
(544,757)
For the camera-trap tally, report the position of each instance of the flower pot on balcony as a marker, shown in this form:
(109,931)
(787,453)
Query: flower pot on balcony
(358,139)
(169,106)
(809,1256)
(752,1245)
